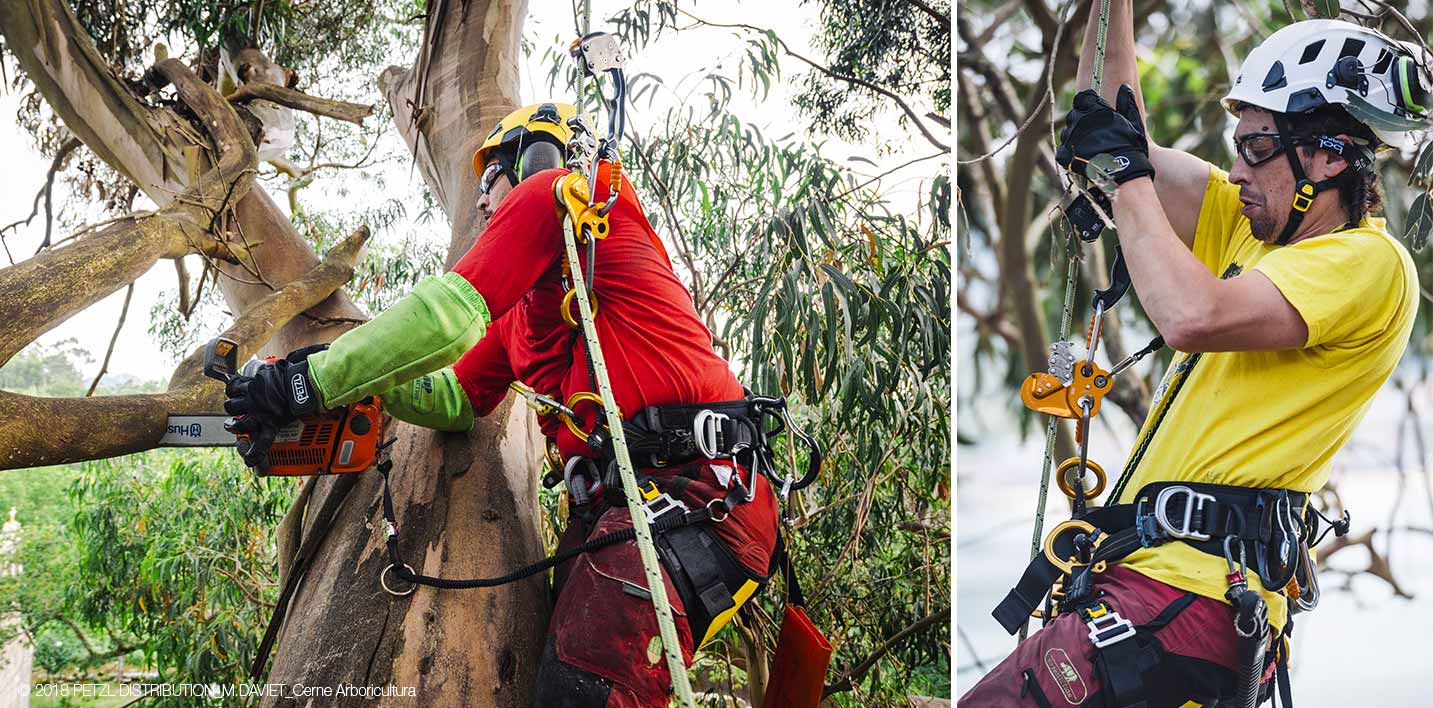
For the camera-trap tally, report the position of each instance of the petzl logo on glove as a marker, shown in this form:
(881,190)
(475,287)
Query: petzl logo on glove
(1121,162)
(300,389)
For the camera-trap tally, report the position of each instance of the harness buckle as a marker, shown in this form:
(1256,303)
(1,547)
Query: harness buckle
(1194,505)
(707,432)
(659,506)
(1107,627)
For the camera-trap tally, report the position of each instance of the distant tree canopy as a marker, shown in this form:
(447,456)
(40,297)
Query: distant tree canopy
(901,45)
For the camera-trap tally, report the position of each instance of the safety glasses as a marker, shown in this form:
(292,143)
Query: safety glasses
(1258,148)
(489,177)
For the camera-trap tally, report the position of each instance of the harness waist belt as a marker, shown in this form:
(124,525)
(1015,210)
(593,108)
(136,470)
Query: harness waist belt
(675,434)
(1265,525)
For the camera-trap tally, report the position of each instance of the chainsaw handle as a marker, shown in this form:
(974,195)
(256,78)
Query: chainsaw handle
(221,359)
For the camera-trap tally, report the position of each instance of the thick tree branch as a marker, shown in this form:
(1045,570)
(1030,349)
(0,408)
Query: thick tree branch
(90,269)
(300,101)
(40,431)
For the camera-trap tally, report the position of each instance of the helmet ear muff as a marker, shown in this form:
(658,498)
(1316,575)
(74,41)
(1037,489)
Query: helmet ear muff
(536,157)
(1409,88)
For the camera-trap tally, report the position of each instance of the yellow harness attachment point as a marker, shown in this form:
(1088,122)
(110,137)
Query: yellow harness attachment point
(572,194)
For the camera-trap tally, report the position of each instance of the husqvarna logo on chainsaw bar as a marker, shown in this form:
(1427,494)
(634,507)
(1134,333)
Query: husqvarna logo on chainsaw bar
(300,389)
(191,430)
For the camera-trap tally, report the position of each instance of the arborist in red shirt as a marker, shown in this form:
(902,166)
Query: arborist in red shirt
(450,350)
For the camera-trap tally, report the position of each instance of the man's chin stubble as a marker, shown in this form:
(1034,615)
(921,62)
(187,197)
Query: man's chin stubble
(1263,229)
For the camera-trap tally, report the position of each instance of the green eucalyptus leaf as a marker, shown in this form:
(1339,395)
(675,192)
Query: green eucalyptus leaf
(1326,9)
(1423,167)
(1382,120)
(1420,222)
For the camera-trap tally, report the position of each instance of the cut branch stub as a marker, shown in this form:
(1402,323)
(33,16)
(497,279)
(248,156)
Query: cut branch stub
(38,431)
(300,101)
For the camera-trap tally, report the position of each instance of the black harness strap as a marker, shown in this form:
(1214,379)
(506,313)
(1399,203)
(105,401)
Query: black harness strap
(1246,514)
(406,573)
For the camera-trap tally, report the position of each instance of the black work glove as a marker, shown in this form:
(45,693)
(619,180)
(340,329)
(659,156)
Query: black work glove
(276,394)
(1092,128)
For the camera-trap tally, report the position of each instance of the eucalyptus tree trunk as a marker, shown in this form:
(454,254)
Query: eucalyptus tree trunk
(466,504)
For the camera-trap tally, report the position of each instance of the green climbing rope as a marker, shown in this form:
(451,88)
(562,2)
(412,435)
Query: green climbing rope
(1066,315)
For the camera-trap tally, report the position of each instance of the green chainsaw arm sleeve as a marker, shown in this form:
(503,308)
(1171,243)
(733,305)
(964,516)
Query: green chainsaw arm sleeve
(433,401)
(427,330)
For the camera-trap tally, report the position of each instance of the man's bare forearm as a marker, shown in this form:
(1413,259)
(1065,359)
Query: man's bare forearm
(1174,288)
(1120,66)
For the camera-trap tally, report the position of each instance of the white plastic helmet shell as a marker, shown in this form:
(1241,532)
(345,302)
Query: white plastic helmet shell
(1289,71)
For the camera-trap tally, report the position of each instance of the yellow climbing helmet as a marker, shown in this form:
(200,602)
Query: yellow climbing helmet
(538,122)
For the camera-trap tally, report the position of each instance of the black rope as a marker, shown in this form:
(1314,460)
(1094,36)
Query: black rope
(403,571)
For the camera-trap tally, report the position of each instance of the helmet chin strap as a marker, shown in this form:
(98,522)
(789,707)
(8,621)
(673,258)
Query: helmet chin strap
(1305,189)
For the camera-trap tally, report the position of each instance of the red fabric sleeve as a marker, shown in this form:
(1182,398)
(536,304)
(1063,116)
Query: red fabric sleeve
(484,371)
(520,243)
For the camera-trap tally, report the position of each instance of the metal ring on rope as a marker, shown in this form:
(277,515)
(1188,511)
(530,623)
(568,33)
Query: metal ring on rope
(567,317)
(572,402)
(726,510)
(1068,487)
(383,580)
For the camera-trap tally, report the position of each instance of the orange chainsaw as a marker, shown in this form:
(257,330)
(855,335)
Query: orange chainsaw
(332,442)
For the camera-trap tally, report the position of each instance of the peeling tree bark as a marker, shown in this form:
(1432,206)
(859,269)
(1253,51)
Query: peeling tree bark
(466,505)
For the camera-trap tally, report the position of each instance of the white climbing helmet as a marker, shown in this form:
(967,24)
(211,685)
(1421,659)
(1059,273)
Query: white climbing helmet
(1316,62)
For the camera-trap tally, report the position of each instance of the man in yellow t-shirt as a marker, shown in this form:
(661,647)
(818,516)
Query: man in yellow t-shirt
(1288,305)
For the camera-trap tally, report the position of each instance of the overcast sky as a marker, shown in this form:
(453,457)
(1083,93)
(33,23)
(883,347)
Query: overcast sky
(137,353)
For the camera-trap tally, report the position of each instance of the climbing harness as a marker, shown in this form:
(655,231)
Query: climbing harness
(1273,527)
(1268,530)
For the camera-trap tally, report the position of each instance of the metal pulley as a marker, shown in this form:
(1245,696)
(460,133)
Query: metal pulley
(1044,392)
(598,52)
